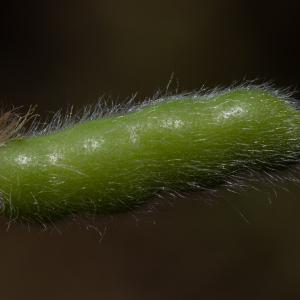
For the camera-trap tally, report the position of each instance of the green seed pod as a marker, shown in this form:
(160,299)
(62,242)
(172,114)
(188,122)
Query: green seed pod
(117,162)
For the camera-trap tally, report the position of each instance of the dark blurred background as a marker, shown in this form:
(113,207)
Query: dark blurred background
(226,246)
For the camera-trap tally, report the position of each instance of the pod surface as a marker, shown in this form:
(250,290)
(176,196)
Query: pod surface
(116,163)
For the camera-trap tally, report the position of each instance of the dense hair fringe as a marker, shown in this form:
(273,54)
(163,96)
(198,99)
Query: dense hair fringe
(15,125)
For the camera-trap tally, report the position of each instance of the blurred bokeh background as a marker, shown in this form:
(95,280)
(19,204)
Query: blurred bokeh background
(225,246)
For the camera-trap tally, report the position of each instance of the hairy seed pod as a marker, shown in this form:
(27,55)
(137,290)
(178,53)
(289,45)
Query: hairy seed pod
(118,162)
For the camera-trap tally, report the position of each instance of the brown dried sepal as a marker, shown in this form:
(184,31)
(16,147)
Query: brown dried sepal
(11,124)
